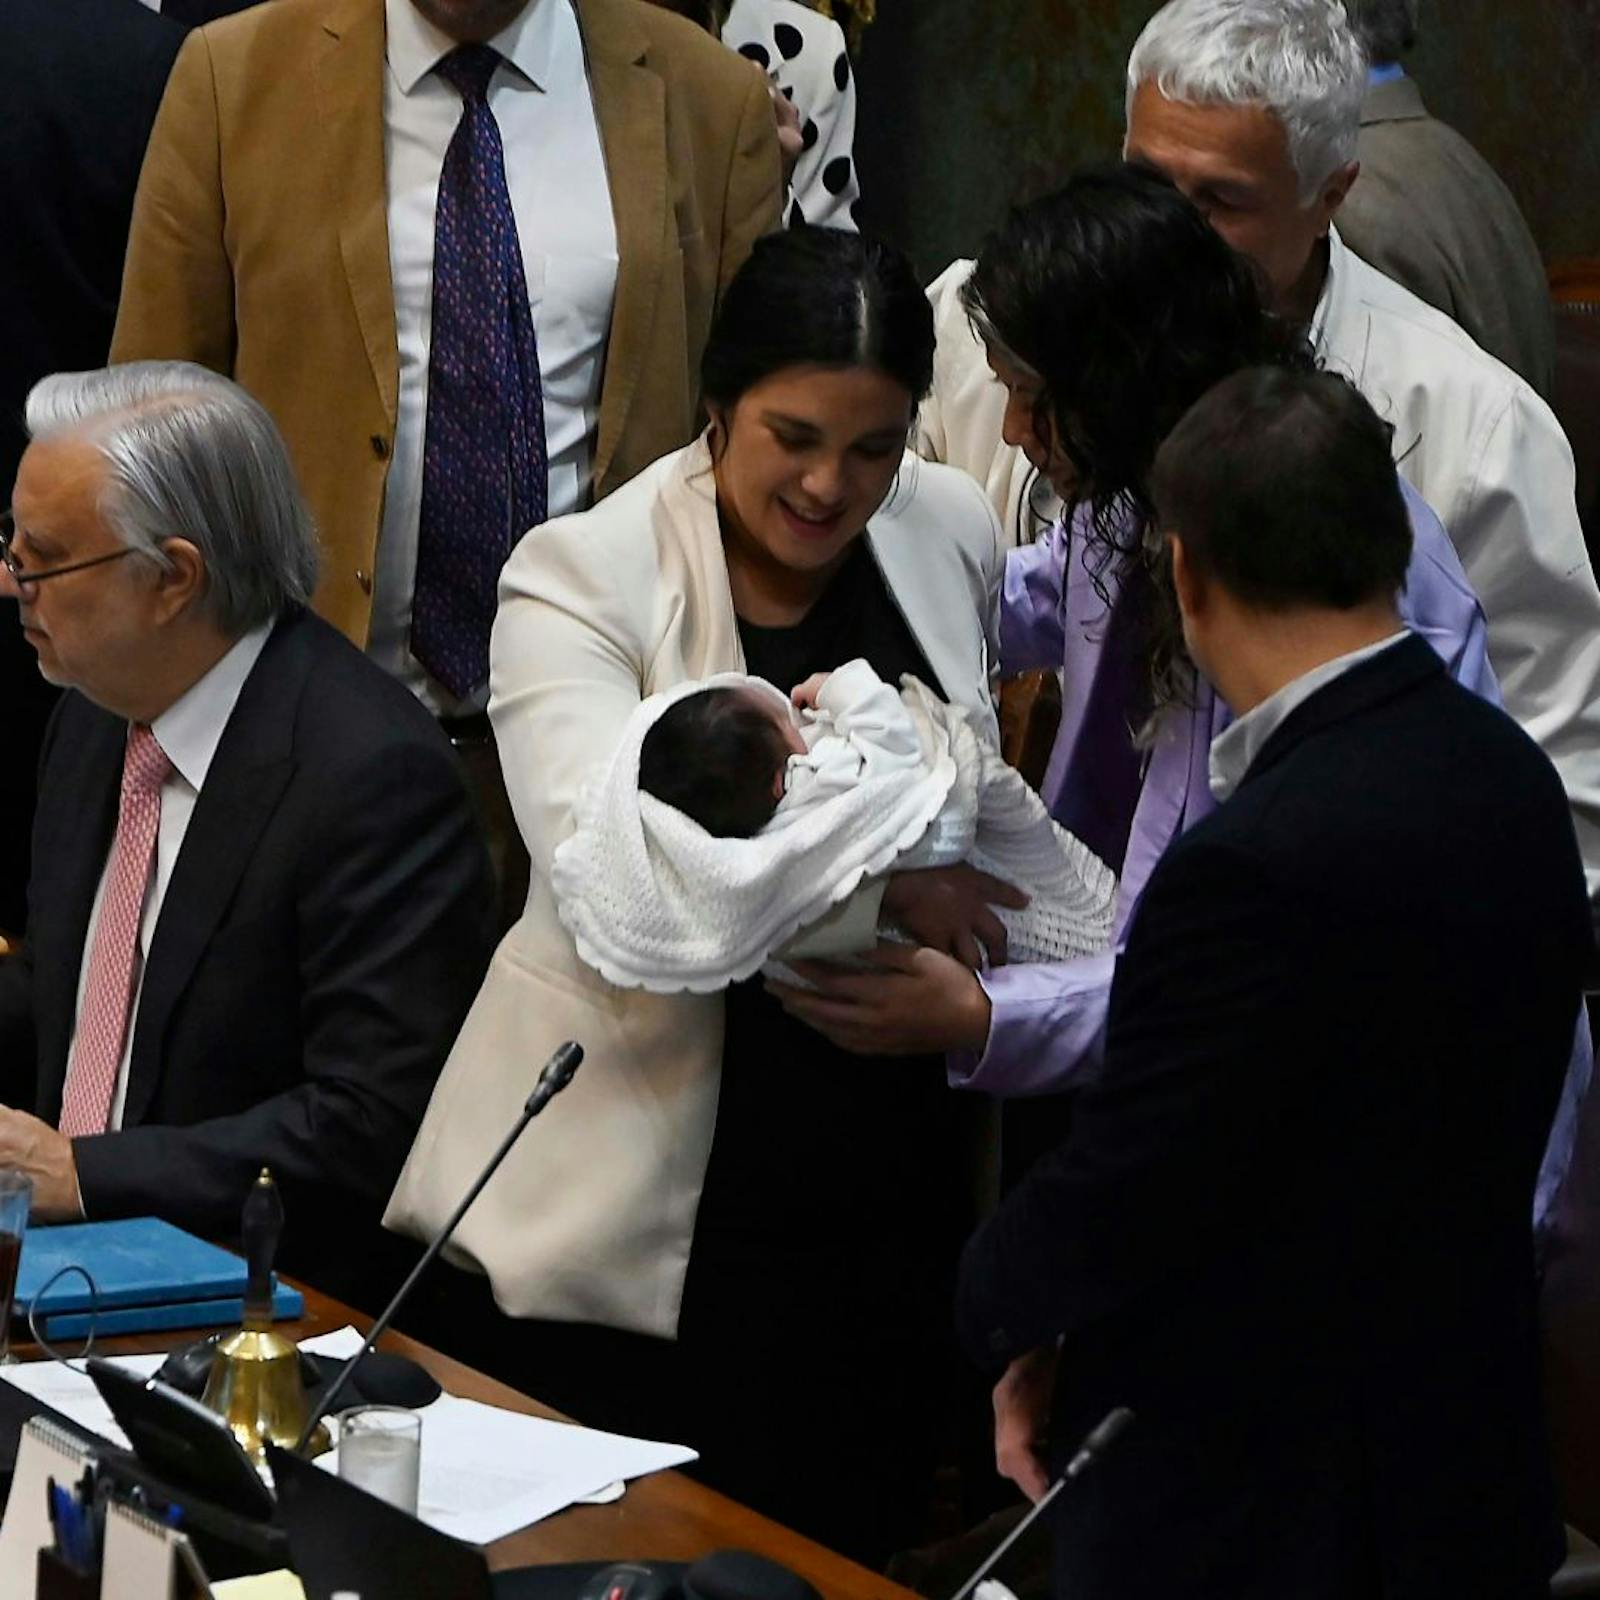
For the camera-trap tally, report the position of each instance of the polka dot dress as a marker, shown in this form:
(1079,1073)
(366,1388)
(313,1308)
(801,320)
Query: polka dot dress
(804,53)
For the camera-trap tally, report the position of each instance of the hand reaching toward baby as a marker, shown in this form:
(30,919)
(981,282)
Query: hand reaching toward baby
(804,695)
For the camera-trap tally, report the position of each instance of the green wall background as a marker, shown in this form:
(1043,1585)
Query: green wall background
(968,105)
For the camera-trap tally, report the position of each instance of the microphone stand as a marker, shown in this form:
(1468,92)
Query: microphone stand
(1088,1453)
(557,1074)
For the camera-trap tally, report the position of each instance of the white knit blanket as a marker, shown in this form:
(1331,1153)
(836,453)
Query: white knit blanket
(891,782)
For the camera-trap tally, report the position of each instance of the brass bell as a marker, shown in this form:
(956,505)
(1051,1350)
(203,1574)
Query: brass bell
(255,1384)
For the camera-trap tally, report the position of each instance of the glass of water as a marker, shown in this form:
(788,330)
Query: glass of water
(380,1450)
(16,1198)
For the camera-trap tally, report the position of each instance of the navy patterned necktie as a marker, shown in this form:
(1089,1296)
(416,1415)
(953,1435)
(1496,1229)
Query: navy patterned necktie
(485,477)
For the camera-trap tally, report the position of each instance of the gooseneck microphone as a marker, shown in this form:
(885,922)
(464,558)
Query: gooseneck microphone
(557,1074)
(1113,1425)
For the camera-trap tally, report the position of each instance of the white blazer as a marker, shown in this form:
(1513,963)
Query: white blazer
(592,1215)
(1471,437)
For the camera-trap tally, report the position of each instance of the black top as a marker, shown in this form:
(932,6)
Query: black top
(813,1143)
(1291,1225)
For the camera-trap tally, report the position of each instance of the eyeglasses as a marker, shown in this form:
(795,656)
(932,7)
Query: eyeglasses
(8,528)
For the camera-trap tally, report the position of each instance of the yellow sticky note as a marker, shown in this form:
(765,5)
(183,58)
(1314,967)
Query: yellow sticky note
(282,1585)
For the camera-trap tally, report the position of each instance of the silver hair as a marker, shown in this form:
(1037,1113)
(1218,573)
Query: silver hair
(1299,59)
(192,456)
(1386,28)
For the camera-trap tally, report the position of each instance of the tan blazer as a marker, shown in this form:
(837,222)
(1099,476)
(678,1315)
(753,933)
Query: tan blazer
(1430,212)
(590,1220)
(260,245)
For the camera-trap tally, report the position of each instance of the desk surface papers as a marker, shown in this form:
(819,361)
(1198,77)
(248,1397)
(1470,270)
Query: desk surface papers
(485,1472)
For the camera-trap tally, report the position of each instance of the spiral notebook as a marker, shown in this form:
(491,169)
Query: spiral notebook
(147,1560)
(46,1450)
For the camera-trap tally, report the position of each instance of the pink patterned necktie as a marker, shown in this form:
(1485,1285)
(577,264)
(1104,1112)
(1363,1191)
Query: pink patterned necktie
(114,954)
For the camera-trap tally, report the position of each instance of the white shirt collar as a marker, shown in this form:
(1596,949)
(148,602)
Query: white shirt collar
(414,46)
(1235,749)
(190,729)
(1333,284)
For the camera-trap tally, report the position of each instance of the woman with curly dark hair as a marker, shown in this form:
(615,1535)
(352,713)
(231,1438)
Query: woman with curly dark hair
(1107,309)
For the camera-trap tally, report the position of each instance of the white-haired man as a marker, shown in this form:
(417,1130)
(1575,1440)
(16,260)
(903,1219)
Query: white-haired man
(1252,108)
(259,907)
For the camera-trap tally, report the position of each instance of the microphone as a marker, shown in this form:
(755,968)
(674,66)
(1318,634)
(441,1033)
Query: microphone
(557,1074)
(1090,1451)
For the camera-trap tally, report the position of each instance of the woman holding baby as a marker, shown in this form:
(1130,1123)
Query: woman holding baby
(730,1229)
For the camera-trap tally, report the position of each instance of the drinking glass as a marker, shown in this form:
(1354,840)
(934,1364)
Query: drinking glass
(380,1450)
(16,1199)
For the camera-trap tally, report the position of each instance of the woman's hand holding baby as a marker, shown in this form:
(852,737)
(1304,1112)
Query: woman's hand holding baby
(950,909)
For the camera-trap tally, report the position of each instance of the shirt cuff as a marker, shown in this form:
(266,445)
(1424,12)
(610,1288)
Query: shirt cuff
(1046,1027)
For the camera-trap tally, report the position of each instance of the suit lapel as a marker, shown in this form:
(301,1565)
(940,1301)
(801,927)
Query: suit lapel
(349,83)
(71,856)
(630,105)
(249,772)
(920,588)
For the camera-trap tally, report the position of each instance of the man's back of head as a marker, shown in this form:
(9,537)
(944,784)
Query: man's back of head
(1290,539)
(1387,29)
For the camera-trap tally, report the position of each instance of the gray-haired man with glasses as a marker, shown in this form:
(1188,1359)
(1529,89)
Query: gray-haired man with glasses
(258,908)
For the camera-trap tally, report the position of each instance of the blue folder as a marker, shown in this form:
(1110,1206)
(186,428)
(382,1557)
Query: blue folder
(149,1276)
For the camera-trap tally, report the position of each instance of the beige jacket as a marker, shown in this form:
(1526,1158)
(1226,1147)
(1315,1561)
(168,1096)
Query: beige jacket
(591,1217)
(959,423)
(1430,212)
(260,242)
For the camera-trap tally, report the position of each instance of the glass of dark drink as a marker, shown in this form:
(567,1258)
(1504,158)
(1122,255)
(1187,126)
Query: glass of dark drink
(16,1199)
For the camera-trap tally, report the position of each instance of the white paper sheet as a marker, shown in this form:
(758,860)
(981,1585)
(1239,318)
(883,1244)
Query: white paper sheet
(485,1472)
(72,1392)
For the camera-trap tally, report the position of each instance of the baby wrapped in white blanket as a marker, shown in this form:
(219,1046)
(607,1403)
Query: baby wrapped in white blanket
(727,821)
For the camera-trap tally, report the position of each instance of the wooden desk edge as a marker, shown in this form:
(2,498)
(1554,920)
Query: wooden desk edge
(666,1516)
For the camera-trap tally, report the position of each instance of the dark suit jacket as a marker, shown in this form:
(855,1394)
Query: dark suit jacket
(1291,1225)
(1433,214)
(324,930)
(83,80)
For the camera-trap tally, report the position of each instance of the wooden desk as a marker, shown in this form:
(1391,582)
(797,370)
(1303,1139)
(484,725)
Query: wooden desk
(666,1515)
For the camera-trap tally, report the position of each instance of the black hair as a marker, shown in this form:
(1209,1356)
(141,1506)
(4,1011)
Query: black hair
(1128,306)
(714,756)
(1282,488)
(824,296)
(1387,29)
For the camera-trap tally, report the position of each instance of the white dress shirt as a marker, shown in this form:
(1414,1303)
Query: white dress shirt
(1234,750)
(561,199)
(1488,455)
(188,731)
